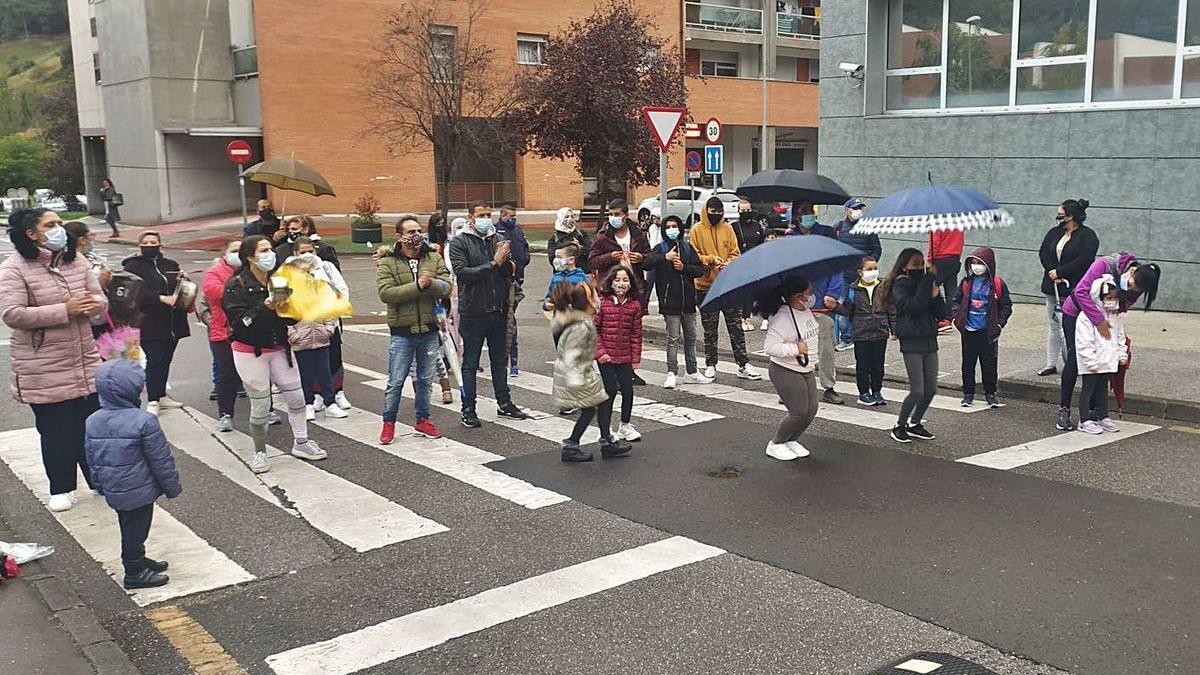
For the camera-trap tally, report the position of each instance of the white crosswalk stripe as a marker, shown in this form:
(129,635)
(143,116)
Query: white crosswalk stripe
(196,565)
(409,634)
(1053,446)
(346,511)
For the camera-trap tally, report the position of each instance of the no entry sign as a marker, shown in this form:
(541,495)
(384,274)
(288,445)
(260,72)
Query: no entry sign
(239,152)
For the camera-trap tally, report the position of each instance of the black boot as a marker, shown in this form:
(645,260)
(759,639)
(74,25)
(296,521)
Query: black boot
(611,447)
(572,453)
(152,564)
(147,578)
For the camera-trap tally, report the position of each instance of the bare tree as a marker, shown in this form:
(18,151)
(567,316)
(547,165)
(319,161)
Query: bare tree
(434,87)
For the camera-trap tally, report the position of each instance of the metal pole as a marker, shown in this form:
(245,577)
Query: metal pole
(242,186)
(762,140)
(662,186)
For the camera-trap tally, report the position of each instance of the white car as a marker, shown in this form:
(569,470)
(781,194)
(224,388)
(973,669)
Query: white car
(686,202)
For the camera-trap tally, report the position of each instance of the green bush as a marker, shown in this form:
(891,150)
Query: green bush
(22,160)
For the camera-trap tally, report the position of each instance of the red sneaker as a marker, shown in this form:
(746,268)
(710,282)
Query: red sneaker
(426,429)
(944,327)
(388,434)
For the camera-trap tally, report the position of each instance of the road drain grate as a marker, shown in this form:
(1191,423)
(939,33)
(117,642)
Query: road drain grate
(726,472)
(932,663)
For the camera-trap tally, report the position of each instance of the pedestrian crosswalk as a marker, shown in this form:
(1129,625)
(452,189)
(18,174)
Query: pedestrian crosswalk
(1053,446)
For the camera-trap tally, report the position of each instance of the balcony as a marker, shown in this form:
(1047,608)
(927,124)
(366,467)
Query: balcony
(723,18)
(798,26)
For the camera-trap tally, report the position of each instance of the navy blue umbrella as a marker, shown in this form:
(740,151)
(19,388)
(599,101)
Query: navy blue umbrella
(769,266)
(932,208)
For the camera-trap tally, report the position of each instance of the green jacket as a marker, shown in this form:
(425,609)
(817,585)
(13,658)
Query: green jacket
(409,306)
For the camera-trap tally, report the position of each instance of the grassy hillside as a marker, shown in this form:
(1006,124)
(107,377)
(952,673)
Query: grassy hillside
(30,68)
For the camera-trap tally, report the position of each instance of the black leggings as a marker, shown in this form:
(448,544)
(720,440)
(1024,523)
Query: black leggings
(1070,369)
(586,416)
(618,377)
(1093,398)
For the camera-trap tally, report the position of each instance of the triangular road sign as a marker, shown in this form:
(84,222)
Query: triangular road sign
(664,122)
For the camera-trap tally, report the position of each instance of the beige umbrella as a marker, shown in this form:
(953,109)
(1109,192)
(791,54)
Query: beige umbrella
(286,173)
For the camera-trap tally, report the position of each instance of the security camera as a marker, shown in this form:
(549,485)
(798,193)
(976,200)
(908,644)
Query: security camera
(850,68)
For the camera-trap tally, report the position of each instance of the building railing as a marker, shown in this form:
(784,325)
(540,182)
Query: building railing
(463,195)
(245,61)
(804,26)
(713,16)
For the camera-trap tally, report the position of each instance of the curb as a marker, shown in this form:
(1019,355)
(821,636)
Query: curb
(1145,406)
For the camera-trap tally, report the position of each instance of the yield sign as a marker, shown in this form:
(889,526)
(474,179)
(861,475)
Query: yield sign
(664,122)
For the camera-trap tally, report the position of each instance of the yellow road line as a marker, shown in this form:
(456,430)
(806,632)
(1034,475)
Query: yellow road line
(193,642)
(1186,430)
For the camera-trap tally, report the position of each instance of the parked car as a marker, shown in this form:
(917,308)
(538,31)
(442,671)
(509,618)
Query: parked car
(685,203)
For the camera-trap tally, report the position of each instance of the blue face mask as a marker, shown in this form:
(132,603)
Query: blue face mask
(484,226)
(807,221)
(672,233)
(616,222)
(1124,282)
(266,261)
(56,238)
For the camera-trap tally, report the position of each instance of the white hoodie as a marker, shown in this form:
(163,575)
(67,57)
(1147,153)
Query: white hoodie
(1091,349)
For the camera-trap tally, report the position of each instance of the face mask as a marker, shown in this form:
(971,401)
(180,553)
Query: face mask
(56,238)
(855,214)
(233,260)
(266,261)
(509,222)
(1112,305)
(672,233)
(616,222)
(715,217)
(293,236)
(413,240)
(484,226)
(560,264)
(308,258)
(620,287)
(1060,219)
(1124,282)
(150,251)
(808,221)
(870,276)
(915,273)
(266,214)
(978,270)
(566,225)
(89,249)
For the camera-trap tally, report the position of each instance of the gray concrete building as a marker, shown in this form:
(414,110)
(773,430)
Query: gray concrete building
(1032,102)
(162,87)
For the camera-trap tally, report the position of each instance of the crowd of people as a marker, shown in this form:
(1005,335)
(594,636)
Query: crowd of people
(450,289)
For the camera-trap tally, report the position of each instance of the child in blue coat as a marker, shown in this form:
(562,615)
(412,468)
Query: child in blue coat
(564,270)
(131,465)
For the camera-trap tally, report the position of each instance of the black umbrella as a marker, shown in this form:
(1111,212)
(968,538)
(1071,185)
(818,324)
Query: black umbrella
(791,185)
(770,265)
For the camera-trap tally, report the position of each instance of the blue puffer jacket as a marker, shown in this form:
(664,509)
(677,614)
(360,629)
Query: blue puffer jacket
(126,449)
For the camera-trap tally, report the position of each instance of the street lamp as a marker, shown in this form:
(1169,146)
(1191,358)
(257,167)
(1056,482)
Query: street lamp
(972,24)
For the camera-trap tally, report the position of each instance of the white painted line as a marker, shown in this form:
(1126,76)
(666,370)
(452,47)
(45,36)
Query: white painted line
(346,511)
(195,564)
(1053,446)
(412,633)
(644,408)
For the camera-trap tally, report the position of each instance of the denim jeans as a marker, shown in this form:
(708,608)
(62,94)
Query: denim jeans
(400,360)
(475,331)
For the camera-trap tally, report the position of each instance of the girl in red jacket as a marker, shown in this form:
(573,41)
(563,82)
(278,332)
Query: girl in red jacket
(619,346)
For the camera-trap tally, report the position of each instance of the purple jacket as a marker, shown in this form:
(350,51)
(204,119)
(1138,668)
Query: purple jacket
(1081,296)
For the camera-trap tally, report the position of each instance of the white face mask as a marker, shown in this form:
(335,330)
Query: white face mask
(1112,305)
(620,287)
(561,264)
(672,233)
(978,270)
(855,214)
(870,276)
(56,238)
(233,260)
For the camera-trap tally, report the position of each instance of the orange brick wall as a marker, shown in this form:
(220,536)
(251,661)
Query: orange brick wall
(738,101)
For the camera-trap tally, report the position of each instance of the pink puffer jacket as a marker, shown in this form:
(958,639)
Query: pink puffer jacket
(54,357)
(308,335)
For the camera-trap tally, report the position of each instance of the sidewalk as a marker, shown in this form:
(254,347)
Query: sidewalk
(1163,380)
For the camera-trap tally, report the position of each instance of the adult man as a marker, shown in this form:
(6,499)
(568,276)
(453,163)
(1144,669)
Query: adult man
(750,229)
(512,232)
(867,244)
(945,251)
(717,245)
(411,280)
(482,264)
(621,242)
(566,231)
(826,292)
(267,222)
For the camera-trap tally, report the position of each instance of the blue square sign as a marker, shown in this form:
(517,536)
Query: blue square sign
(714,159)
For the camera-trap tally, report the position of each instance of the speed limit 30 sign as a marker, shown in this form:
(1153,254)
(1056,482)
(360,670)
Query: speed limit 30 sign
(713,131)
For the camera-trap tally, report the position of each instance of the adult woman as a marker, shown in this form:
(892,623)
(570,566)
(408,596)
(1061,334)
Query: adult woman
(213,288)
(311,340)
(46,296)
(1134,279)
(261,353)
(911,291)
(164,323)
(791,342)
(84,247)
(112,214)
(1066,252)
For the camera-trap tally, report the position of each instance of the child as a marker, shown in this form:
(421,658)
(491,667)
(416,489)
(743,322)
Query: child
(565,269)
(131,465)
(577,382)
(619,345)
(791,342)
(872,326)
(1099,357)
(981,309)
(674,264)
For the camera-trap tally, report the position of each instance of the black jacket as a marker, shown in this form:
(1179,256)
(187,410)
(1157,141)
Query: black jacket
(1077,256)
(676,289)
(578,237)
(160,276)
(869,322)
(867,244)
(751,230)
(482,286)
(250,321)
(917,313)
(600,259)
(324,251)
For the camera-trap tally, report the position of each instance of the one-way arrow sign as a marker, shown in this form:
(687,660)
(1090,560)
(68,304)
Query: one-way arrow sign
(664,122)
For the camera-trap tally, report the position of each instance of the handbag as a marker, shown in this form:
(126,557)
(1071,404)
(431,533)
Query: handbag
(118,199)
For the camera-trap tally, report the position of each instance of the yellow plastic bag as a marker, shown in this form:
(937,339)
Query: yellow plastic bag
(311,299)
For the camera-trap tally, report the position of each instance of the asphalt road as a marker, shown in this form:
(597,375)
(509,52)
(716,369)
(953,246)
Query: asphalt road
(697,554)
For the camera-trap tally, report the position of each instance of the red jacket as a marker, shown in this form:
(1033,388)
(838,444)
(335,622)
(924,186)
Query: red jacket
(619,329)
(213,288)
(945,245)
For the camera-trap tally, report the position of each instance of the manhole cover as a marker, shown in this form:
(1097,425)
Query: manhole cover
(932,663)
(726,472)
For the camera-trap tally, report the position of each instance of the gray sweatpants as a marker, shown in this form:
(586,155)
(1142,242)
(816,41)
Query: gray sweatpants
(827,372)
(922,385)
(681,327)
(799,394)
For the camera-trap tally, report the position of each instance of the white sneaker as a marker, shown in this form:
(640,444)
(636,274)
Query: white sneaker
(669,383)
(274,418)
(800,450)
(626,432)
(748,373)
(167,403)
(336,412)
(308,450)
(697,378)
(780,451)
(310,413)
(152,408)
(342,401)
(258,463)
(225,424)
(318,404)
(61,502)
(710,372)
(764,324)
(759,352)
(748,325)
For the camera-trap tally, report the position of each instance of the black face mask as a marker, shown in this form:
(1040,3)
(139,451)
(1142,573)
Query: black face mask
(715,217)
(293,236)
(150,251)
(919,272)
(266,214)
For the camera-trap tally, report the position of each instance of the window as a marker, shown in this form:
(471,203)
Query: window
(531,49)
(719,64)
(956,54)
(245,62)
(96,66)
(814,70)
(442,58)
(92,21)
